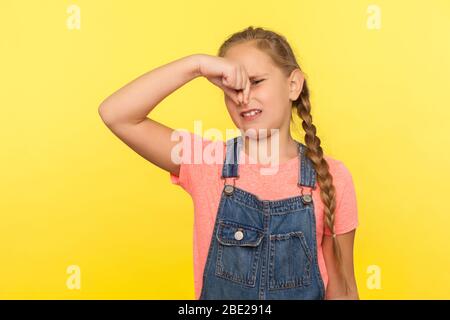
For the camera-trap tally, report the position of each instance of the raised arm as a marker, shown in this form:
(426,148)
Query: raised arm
(125,111)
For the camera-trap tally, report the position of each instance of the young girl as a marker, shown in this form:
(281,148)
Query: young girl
(284,235)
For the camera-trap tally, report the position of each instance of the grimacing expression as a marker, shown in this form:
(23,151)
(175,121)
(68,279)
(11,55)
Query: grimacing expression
(270,91)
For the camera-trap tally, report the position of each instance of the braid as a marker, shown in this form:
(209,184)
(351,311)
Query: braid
(277,47)
(315,154)
(325,180)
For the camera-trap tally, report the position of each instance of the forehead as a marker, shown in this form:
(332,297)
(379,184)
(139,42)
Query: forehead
(254,60)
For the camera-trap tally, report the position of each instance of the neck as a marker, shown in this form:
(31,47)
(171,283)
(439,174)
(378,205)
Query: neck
(274,148)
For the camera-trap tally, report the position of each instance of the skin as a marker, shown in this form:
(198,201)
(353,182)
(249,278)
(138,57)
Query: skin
(127,113)
(336,288)
(274,95)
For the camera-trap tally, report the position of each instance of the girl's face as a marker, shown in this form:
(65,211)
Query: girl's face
(270,91)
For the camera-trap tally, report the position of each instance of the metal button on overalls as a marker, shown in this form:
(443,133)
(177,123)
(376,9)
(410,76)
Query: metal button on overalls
(228,190)
(306,198)
(238,235)
(263,249)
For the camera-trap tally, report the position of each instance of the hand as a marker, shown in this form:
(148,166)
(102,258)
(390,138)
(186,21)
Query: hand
(229,76)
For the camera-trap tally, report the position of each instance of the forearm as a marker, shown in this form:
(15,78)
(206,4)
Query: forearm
(348,296)
(337,290)
(133,102)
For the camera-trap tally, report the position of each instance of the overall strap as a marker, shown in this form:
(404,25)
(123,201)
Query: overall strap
(231,167)
(307,173)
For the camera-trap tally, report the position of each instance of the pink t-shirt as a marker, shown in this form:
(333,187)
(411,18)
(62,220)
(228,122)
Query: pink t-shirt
(202,180)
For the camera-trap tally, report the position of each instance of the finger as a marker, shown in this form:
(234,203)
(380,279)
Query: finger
(243,85)
(238,97)
(233,84)
(244,78)
(238,83)
(232,94)
(230,78)
(224,85)
(246,91)
(246,88)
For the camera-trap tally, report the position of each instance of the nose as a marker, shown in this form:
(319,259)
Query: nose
(249,98)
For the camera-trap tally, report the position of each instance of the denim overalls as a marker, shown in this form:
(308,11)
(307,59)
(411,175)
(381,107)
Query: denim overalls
(263,249)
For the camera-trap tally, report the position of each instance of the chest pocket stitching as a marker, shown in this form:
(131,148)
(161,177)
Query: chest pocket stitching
(281,277)
(227,229)
(237,260)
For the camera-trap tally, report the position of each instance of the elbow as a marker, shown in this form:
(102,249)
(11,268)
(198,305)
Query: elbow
(105,115)
(111,117)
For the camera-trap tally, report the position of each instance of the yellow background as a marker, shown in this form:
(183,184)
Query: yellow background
(74,194)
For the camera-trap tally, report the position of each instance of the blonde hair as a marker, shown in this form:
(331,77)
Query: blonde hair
(277,47)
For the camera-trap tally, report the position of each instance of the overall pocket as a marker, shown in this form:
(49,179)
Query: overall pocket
(290,261)
(238,252)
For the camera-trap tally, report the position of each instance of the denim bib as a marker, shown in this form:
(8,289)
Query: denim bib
(263,249)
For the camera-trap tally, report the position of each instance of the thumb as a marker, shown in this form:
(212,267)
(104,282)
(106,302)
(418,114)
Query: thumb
(232,94)
(225,81)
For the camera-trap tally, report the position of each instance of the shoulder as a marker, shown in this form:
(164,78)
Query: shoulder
(200,150)
(199,159)
(339,170)
(346,218)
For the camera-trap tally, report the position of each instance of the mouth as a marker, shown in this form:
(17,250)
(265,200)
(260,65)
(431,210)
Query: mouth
(251,114)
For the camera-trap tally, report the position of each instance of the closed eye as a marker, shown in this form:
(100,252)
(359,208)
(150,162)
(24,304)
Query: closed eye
(258,81)
(253,82)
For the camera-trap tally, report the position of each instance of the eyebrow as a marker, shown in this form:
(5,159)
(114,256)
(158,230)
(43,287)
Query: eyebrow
(253,77)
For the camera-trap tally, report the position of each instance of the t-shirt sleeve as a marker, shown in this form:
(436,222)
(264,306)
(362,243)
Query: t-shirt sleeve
(346,212)
(194,145)
(182,179)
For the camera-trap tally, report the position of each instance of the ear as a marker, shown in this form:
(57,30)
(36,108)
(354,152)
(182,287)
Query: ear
(296,80)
